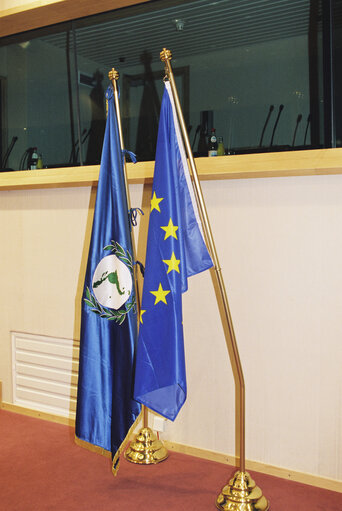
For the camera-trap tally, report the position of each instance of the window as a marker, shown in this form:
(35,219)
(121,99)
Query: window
(261,73)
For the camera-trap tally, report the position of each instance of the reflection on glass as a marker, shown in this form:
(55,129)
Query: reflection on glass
(37,102)
(251,70)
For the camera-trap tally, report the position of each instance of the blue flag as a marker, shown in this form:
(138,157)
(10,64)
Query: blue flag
(175,251)
(105,406)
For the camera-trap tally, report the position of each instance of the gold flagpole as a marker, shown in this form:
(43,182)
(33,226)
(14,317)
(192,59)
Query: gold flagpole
(113,75)
(146,448)
(241,489)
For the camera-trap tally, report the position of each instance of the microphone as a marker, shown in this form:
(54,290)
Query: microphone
(281,108)
(86,135)
(299,118)
(8,152)
(307,127)
(195,136)
(266,122)
(74,152)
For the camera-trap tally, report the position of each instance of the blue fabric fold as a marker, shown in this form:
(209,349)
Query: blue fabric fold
(175,251)
(105,405)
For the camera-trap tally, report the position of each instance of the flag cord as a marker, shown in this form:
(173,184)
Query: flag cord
(221,294)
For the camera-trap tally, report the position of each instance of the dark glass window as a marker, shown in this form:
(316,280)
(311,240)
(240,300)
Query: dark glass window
(334,73)
(264,74)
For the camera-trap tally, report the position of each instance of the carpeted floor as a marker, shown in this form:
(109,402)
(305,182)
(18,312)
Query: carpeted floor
(41,468)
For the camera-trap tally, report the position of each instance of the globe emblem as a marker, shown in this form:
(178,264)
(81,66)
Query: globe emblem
(112,282)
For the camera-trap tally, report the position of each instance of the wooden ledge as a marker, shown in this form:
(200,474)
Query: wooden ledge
(283,164)
(41,13)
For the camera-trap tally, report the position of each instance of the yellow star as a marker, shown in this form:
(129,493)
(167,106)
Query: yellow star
(155,202)
(173,263)
(170,230)
(141,315)
(160,294)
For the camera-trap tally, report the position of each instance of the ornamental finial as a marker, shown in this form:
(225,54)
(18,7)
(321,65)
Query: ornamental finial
(113,74)
(165,55)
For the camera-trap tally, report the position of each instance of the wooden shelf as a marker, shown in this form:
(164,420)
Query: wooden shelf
(249,166)
(41,13)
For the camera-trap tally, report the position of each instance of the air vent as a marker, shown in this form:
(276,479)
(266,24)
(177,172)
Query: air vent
(45,372)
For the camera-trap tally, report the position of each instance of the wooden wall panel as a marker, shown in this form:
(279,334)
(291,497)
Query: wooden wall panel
(38,14)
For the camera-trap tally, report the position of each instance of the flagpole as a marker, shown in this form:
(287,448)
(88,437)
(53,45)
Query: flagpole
(146,448)
(238,492)
(113,75)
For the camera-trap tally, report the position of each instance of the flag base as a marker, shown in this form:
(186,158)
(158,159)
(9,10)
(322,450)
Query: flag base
(146,449)
(242,494)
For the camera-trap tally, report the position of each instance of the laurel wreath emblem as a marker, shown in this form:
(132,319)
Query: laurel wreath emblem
(119,315)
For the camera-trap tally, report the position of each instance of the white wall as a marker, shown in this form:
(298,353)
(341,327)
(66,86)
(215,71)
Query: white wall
(280,247)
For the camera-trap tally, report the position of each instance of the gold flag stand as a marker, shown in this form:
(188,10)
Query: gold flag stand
(241,492)
(146,449)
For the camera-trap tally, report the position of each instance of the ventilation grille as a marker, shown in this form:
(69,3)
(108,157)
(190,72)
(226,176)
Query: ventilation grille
(45,371)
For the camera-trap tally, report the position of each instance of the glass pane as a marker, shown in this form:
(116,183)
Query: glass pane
(337,69)
(253,71)
(39,118)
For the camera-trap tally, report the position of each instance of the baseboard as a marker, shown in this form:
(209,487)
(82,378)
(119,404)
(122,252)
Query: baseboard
(59,419)
(283,473)
(263,468)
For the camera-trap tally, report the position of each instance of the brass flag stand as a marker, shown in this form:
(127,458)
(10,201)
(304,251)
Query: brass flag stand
(241,492)
(146,449)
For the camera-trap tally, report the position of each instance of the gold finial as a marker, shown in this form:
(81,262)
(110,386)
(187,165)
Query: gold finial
(113,74)
(165,55)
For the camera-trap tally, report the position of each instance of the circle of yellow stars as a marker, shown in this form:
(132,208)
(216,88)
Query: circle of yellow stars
(172,264)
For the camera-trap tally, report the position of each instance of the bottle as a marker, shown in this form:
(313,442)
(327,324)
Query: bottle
(40,161)
(220,147)
(33,159)
(212,144)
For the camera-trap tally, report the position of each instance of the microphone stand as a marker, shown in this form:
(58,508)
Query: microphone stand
(307,127)
(8,152)
(265,125)
(281,108)
(299,118)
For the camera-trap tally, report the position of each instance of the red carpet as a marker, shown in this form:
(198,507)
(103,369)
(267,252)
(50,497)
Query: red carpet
(42,469)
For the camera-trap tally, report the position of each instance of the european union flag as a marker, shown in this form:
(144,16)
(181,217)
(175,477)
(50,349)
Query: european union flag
(175,251)
(105,406)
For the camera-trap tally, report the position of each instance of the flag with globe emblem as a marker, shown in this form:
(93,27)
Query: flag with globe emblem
(106,409)
(175,251)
